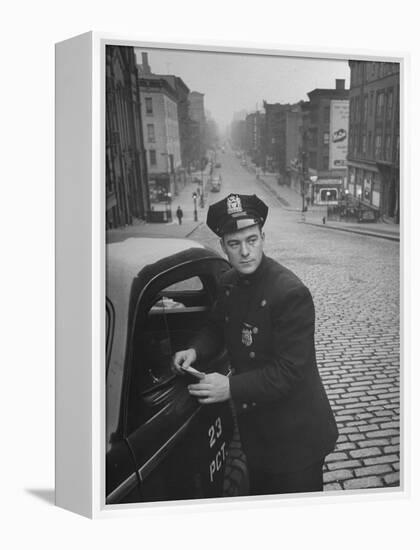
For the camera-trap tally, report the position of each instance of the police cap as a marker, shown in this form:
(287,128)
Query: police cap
(236,212)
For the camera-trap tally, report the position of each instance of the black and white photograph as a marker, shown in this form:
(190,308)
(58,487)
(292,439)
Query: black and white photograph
(252,274)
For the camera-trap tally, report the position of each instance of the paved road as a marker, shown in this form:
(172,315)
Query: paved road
(354,280)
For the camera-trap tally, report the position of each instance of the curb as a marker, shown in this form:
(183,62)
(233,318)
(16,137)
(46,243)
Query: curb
(187,236)
(347,230)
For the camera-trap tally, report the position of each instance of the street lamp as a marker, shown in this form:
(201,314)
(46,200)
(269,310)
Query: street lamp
(195,206)
(328,193)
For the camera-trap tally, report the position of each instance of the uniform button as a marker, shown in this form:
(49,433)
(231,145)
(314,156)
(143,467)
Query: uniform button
(255,330)
(227,293)
(263,303)
(252,354)
(244,406)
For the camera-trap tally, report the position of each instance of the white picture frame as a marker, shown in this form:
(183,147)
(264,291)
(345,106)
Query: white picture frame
(80,268)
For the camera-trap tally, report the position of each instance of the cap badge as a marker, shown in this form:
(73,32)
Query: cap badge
(234,204)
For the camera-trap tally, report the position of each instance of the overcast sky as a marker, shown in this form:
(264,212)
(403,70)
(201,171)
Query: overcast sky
(233,82)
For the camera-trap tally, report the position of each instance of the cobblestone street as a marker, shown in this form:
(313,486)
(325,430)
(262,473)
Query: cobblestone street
(354,280)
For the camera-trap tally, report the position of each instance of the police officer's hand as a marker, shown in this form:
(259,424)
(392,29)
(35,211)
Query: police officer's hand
(213,388)
(183,359)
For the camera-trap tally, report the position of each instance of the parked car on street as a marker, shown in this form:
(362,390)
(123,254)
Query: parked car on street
(215,184)
(161,444)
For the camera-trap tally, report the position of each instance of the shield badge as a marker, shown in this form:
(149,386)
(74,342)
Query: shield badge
(247,334)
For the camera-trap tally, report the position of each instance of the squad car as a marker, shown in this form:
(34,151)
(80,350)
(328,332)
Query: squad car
(160,443)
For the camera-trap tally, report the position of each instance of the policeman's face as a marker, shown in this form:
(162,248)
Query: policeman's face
(244,249)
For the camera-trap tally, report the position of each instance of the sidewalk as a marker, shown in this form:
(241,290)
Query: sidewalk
(173,229)
(291,200)
(377,229)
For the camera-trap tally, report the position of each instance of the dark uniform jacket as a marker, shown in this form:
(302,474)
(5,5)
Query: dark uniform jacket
(266,321)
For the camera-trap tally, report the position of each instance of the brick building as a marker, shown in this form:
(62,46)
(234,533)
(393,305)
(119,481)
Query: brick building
(281,137)
(127,194)
(161,135)
(325,142)
(373,156)
(198,116)
(254,136)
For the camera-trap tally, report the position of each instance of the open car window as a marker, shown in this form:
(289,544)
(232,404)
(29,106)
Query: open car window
(175,295)
(168,317)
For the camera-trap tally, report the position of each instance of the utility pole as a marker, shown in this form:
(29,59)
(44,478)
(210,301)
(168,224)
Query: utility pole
(304,169)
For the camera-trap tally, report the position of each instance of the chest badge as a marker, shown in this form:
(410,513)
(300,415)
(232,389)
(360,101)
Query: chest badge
(247,331)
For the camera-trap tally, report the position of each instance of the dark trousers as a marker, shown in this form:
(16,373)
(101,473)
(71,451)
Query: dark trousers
(308,480)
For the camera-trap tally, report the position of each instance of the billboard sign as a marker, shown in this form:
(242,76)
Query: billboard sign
(339,129)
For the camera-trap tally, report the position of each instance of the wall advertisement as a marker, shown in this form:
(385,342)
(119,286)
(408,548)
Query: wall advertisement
(339,129)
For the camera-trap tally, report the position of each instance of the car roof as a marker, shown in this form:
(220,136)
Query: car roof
(137,252)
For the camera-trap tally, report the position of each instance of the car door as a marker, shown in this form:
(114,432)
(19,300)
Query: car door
(179,447)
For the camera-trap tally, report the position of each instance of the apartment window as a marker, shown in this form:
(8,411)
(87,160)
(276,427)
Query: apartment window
(371,103)
(380,105)
(365,107)
(152,157)
(326,138)
(364,144)
(151,133)
(356,143)
(388,147)
(389,105)
(325,161)
(378,146)
(373,70)
(149,106)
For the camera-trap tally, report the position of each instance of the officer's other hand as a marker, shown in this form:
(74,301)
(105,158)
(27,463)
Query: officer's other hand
(182,359)
(213,388)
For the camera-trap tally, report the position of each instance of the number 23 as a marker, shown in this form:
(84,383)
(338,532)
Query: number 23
(215,431)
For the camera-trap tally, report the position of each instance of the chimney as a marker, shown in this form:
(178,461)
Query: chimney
(145,64)
(340,83)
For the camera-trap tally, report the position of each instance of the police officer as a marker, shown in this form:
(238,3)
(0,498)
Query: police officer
(264,316)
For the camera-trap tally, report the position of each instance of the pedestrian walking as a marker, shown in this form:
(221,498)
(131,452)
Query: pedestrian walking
(179,214)
(264,316)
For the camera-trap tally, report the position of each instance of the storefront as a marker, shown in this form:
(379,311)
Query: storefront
(327,191)
(365,185)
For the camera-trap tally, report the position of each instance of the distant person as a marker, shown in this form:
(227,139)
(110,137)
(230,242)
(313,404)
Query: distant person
(179,214)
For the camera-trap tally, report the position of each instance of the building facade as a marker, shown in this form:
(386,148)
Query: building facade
(254,128)
(281,141)
(373,156)
(161,136)
(198,116)
(325,120)
(127,194)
